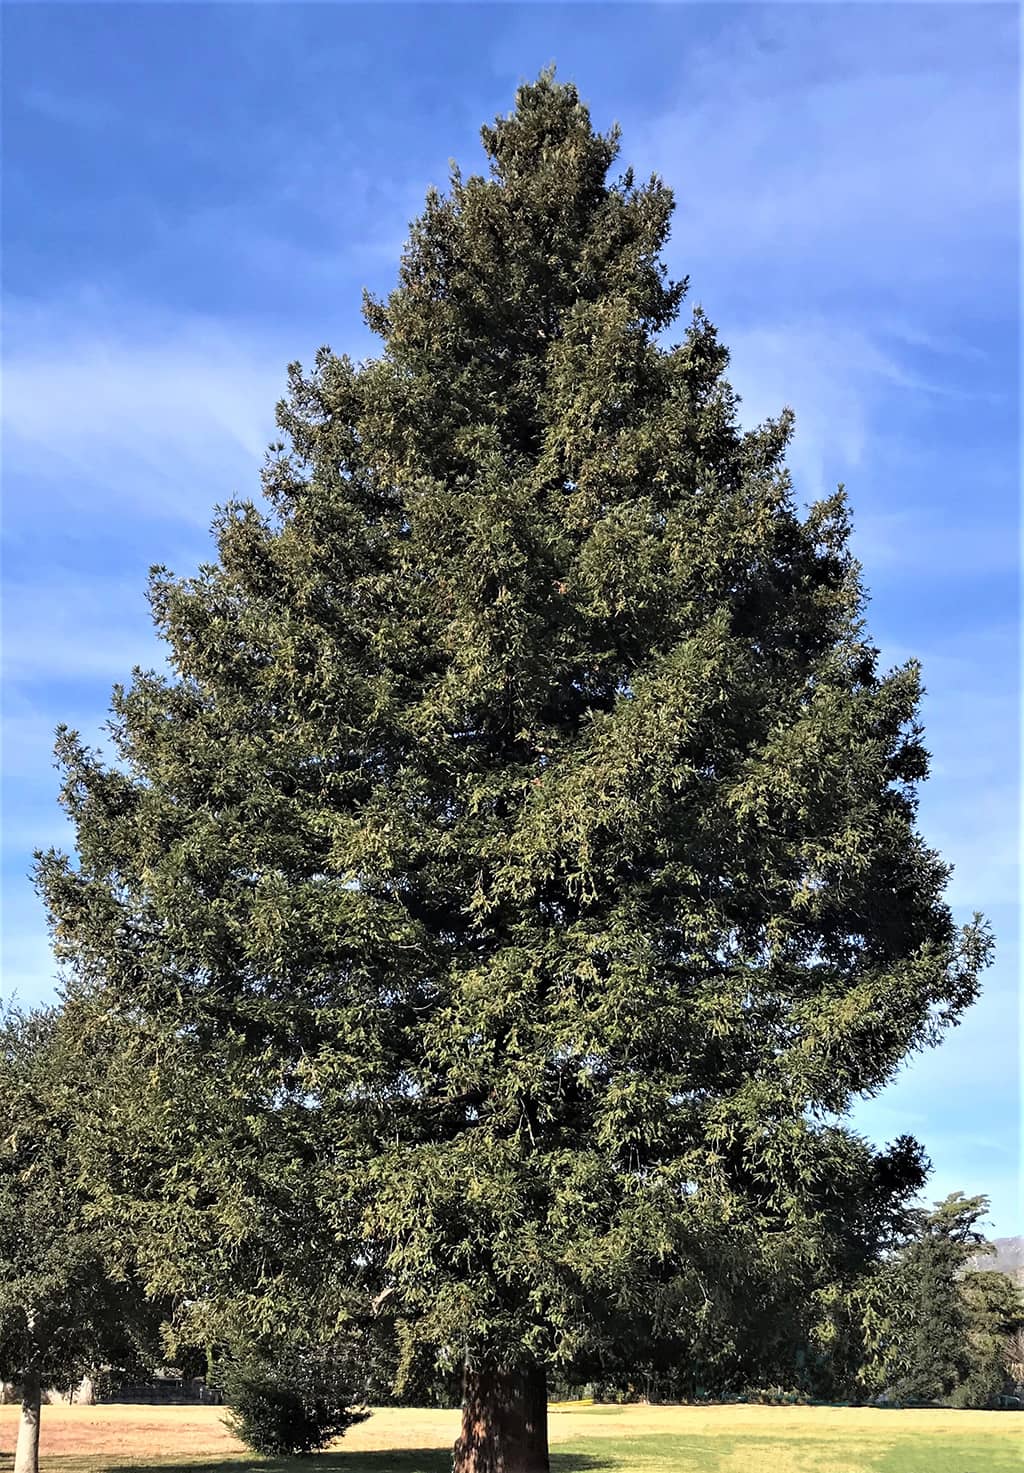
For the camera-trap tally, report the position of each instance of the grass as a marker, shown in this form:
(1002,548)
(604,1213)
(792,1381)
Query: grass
(584,1439)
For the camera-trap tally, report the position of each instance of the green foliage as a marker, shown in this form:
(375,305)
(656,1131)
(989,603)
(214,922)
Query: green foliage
(297,1405)
(994,1312)
(521,861)
(936,1347)
(65,1309)
(934,1331)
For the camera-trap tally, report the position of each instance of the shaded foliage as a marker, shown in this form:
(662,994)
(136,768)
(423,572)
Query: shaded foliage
(65,1307)
(934,1328)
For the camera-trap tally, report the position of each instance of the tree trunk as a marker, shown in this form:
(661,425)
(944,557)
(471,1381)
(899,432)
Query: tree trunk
(504,1422)
(26,1457)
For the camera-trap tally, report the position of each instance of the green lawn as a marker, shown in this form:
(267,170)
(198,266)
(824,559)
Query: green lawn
(741,1439)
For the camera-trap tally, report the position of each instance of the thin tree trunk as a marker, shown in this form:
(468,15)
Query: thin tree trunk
(504,1422)
(26,1457)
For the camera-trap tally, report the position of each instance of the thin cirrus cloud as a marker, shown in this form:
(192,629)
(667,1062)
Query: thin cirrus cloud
(76,627)
(860,149)
(64,108)
(170,417)
(969,807)
(833,372)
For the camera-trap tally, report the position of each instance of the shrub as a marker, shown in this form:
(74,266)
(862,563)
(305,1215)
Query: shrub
(774,1396)
(287,1410)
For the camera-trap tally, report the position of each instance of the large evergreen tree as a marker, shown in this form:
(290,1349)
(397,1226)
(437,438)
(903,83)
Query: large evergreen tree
(527,817)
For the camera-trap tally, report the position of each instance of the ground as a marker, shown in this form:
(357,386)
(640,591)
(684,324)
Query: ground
(585,1439)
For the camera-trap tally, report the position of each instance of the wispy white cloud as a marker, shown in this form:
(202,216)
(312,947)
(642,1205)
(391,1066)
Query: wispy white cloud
(78,626)
(970,804)
(67,109)
(26,739)
(922,542)
(834,374)
(812,139)
(31,985)
(843,182)
(165,416)
(24,834)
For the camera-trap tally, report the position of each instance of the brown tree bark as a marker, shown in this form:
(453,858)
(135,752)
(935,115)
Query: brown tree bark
(504,1421)
(26,1456)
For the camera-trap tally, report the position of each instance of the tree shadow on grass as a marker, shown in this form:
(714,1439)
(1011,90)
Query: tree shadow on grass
(405,1460)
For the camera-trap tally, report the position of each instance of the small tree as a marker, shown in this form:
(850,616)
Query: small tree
(293,1399)
(63,1311)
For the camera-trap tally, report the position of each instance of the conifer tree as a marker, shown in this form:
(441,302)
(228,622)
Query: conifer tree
(947,1323)
(527,811)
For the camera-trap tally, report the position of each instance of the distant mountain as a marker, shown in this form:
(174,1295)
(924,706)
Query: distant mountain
(1007,1259)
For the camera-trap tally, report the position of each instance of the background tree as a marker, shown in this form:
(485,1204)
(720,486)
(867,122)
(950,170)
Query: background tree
(994,1309)
(1013,1356)
(64,1310)
(794,1320)
(938,1330)
(934,1310)
(527,825)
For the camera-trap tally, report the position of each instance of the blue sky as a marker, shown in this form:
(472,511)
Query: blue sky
(196,195)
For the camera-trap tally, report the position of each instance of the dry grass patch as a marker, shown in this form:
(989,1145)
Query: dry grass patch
(585,1439)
